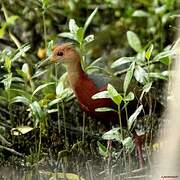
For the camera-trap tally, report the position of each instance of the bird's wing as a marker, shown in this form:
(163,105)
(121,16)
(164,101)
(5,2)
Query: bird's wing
(101,81)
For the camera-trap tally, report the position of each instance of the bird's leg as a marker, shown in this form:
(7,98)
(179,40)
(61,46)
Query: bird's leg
(138,146)
(109,148)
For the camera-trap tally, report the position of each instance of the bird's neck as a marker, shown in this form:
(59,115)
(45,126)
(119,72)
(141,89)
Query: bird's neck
(75,72)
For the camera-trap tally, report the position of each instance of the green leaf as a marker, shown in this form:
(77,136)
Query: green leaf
(166,60)
(102,149)
(140,13)
(68,35)
(2,30)
(134,41)
(80,35)
(55,101)
(100,95)
(37,112)
(129,97)
(21,99)
(89,38)
(59,88)
(7,64)
(162,55)
(73,27)
(121,61)
(21,130)
(104,109)
(113,134)
(133,117)
(140,74)
(159,75)
(128,143)
(60,85)
(114,95)
(89,19)
(39,88)
(149,52)
(7,81)
(128,77)
(26,71)
(10,20)
(160,10)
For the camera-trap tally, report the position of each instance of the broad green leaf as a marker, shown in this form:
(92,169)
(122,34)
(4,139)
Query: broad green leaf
(166,60)
(73,27)
(102,149)
(21,130)
(7,64)
(149,52)
(159,75)
(114,95)
(129,97)
(100,95)
(68,35)
(39,88)
(80,35)
(60,85)
(113,134)
(128,77)
(89,19)
(21,99)
(37,112)
(89,38)
(7,81)
(140,74)
(10,20)
(140,13)
(104,109)
(17,79)
(134,41)
(2,30)
(121,61)
(160,10)
(55,101)
(165,54)
(25,70)
(133,117)
(59,88)
(128,143)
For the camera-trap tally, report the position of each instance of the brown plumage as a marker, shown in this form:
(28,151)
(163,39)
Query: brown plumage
(85,87)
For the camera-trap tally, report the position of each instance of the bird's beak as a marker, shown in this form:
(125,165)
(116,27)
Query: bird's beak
(44,62)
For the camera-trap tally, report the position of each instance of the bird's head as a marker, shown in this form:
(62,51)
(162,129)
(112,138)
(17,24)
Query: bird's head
(65,53)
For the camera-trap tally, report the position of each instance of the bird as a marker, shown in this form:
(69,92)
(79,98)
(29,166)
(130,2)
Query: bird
(85,86)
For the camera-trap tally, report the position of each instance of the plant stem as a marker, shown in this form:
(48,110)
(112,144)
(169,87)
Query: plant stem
(44,26)
(120,123)
(58,107)
(65,131)
(84,118)
(39,146)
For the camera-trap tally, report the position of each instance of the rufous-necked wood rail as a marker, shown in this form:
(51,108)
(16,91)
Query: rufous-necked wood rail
(85,86)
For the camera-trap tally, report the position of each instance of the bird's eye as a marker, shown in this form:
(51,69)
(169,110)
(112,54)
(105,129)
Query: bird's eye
(60,53)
